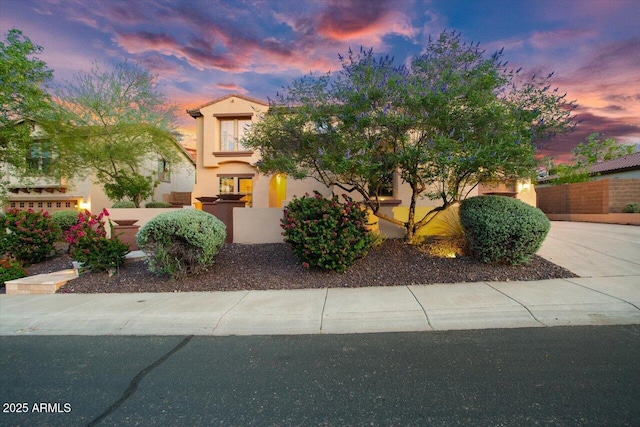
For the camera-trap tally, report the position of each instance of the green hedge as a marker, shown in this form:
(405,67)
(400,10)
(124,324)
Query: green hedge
(181,242)
(123,204)
(503,230)
(157,205)
(65,219)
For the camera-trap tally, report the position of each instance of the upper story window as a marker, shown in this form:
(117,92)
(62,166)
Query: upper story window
(232,131)
(39,157)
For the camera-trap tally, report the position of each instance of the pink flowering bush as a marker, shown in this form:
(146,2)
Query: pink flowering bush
(325,233)
(29,236)
(88,243)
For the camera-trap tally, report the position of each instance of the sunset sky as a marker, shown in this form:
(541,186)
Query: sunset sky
(204,49)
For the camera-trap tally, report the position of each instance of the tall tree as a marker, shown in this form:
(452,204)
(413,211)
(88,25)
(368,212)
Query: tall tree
(597,149)
(446,123)
(23,96)
(113,122)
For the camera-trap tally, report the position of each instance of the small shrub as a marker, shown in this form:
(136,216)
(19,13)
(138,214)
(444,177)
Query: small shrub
(325,233)
(89,244)
(123,204)
(65,219)
(631,208)
(503,230)
(29,236)
(182,242)
(11,270)
(157,205)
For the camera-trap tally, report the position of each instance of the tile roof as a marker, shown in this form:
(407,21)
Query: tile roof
(195,112)
(632,161)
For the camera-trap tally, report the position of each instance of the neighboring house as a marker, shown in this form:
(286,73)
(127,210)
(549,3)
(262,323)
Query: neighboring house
(624,167)
(44,193)
(223,165)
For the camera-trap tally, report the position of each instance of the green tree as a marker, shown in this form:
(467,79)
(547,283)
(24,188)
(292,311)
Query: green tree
(23,97)
(596,149)
(113,122)
(446,123)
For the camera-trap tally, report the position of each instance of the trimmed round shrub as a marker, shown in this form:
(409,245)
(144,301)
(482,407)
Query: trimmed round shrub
(182,242)
(123,204)
(30,236)
(503,230)
(157,205)
(325,233)
(65,219)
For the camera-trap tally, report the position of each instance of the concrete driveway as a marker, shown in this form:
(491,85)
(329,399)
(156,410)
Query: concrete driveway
(594,250)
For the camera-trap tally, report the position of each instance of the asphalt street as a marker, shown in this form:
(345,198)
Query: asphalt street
(581,375)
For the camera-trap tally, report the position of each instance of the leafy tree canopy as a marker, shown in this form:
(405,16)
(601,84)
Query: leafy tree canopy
(597,149)
(23,98)
(112,122)
(450,120)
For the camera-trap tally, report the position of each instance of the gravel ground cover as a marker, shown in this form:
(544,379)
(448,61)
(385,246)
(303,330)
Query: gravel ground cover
(274,266)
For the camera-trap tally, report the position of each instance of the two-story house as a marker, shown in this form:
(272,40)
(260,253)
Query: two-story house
(225,166)
(41,192)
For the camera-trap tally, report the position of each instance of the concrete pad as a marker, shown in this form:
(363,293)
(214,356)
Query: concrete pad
(470,306)
(192,313)
(47,283)
(275,313)
(372,309)
(23,314)
(560,302)
(626,288)
(103,315)
(593,250)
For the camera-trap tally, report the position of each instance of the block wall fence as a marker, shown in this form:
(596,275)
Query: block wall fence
(603,196)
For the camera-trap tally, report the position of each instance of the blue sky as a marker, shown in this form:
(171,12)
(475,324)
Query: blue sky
(201,50)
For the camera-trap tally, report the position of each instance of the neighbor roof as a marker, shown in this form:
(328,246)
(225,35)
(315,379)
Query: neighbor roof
(196,111)
(630,162)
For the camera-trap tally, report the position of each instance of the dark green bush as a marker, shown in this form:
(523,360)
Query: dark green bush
(181,242)
(631,208)
(30,236)
(503,230)
(123,204)
(157,205)
(65,219)
(11,270)
(326,233)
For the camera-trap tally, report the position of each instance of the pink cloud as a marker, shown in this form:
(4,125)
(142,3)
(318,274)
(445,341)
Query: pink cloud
(554,39)
(232,87)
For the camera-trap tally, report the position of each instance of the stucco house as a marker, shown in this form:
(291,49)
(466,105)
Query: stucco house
(223,165)
(45,193)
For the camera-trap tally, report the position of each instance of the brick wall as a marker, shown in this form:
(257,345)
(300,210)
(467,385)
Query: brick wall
(593,197)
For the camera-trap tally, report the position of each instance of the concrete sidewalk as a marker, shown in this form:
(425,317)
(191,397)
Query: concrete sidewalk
(607,257)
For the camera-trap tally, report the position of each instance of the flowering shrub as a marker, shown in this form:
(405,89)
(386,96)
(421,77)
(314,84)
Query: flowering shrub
(29,236)
(326,233)
(503,230)
(182,242)
(10,270)
(89,245)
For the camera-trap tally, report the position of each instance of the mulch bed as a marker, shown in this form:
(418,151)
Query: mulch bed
(274,266)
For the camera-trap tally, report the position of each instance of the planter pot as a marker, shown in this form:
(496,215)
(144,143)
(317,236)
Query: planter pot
(231,196)
(125,222)
(207,199)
